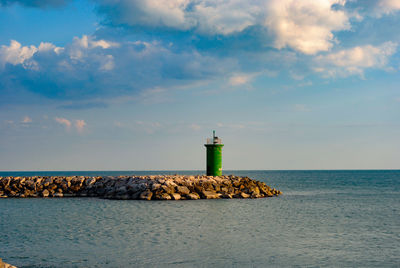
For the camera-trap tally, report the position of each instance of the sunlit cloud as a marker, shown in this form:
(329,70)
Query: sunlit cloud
(80,124)
(240,79)
(355,60)
(26,120)
(63,121)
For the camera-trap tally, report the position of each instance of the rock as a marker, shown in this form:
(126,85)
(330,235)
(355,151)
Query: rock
(161,187)
(169,189)
(30,184)
(90,181)
(176,196)
(146,195)
(155,187)
(165,196)
(122,197)
(58,194)
(45,193)
(121,190)
(193,196)
(209,195)
(244,195)
(182,190)
(5,265)
(52,187)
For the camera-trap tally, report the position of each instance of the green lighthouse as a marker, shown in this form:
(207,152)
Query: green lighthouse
(214,156)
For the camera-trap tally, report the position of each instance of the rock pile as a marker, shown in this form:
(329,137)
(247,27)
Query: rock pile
(5,265)
(161,187)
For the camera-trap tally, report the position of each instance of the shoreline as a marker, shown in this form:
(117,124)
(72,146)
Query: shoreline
(153,187)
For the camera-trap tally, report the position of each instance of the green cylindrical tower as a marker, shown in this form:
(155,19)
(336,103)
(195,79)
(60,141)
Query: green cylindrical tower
(214,156)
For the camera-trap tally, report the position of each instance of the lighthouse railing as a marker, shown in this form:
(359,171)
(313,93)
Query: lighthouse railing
(214,141)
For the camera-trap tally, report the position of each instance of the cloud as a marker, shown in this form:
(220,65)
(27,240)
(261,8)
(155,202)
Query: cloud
(306,26)
(164,45)
(240,79)
(373,8)
(63,121)
(204,16)
(80,47)
(90,69)
(385,7)
(26,120)
(16,54)
(80,124)
(35,3)
(355,60)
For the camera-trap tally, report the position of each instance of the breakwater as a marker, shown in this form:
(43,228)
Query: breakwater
(161,187)
(5,265)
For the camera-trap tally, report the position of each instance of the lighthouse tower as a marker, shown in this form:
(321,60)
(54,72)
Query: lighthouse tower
(214,156)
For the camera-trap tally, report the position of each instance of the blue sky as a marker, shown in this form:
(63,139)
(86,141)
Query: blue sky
(139,85)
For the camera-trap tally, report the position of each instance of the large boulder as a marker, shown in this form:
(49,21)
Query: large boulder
(182,190)
(176,196)
(209,195)
(193,196)
(146,195)
(45,193)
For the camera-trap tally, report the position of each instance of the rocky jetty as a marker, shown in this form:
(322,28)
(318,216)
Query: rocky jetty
(5,265)
(161,187)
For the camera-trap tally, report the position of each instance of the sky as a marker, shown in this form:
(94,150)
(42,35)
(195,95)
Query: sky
(141,84)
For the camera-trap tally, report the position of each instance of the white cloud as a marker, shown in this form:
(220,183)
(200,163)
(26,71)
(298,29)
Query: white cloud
(88,67)
(306,26)
(16,54)
(63,121)
(26,120)
(225,17)
(355,60)
(206,16)
(386,7)
(80,124)
(80,46)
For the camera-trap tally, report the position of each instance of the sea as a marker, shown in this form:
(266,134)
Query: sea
(341,218)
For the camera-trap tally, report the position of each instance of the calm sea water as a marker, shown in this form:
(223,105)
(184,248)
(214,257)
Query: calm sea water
(323,219)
